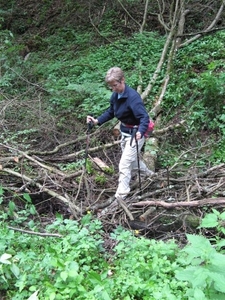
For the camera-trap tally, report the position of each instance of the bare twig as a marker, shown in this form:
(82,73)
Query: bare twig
(43,234)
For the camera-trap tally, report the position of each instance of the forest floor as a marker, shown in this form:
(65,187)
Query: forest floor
(60,174)
(167,205)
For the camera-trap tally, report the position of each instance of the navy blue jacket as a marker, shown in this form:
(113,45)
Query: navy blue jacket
(129,109)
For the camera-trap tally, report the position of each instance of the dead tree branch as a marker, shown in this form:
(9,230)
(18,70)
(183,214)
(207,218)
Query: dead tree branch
(74,209)
(43,234)
(203,202)
(210,27)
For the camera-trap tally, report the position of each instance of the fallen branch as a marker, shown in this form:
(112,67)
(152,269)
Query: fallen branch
(170,127)
(209,28)
(73,207)
(94,149)
(45,234)
(144,216)
(125,208)
(44,166)
(203,202)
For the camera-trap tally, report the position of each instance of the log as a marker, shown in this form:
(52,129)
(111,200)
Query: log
(203,202)
(144,216)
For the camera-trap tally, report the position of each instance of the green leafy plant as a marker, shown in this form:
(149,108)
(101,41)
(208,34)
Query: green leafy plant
(215,220)
(218,153)
(204,269)
(8,269)
(100,179)
(152,273)
(15,215)
(76,265)
(219,125)
(213,92)
(72,166)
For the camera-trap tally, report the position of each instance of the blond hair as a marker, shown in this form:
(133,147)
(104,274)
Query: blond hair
(114,74)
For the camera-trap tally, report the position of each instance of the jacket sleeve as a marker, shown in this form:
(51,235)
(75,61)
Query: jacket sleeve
(107,115)
(139,111)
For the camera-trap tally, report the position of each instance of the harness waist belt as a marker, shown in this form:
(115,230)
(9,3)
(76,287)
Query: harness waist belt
(129,126)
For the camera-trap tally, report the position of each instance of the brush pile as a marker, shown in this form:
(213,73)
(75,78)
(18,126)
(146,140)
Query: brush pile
(165,205)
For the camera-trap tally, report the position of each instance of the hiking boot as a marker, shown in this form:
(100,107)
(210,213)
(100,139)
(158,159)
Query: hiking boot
(150,173)
(147,175)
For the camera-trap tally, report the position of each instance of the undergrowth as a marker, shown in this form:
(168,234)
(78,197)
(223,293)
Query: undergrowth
(73,85)
(63,76)
(76,265)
